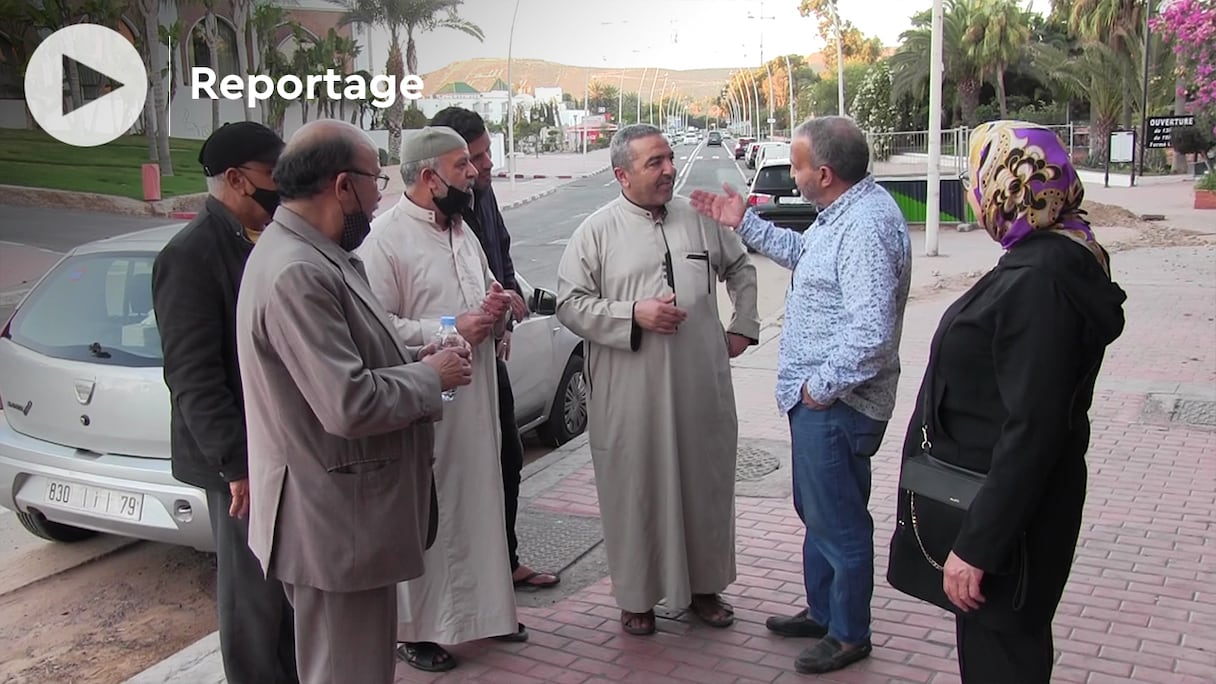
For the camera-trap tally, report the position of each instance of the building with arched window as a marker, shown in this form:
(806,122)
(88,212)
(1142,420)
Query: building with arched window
(185,45)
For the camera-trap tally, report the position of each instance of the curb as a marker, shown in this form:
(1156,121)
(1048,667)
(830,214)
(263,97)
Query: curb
(543,193)
(530,198)
(561,176)
(95,202)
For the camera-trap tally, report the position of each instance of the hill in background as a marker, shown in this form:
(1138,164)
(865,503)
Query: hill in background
(529,74)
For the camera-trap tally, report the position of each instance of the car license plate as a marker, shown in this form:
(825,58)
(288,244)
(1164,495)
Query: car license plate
(796,199)
(108,502)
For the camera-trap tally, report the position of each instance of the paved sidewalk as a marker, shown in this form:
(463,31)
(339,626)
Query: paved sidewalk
(1139,606)
(536,177)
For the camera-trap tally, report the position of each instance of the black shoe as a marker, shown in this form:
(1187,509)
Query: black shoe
(520,635)
(796,626)
(829,655)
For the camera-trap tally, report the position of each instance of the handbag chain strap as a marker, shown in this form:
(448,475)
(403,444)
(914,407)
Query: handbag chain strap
(916,533)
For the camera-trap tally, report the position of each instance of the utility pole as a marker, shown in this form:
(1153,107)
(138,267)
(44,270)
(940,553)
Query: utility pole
(933,196)
(511,101)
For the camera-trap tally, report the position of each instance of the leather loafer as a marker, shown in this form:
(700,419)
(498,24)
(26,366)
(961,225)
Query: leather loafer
(829,655)
(799,625)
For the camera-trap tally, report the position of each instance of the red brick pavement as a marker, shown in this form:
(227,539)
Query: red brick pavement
(1140,605)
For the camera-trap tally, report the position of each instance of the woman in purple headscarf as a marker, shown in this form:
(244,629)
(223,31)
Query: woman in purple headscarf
(1006,397)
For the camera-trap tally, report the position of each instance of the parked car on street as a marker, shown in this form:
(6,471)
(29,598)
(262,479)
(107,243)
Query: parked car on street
(741,146)
(84,438)
(774,196)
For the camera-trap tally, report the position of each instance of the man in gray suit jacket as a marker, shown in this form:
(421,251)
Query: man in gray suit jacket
(339,413)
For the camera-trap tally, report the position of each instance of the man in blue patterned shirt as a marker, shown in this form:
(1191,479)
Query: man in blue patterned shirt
(837,370)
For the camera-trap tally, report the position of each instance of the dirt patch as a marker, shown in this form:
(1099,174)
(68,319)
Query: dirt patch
(108,620)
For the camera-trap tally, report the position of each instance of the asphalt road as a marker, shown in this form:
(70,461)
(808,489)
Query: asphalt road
(60,229)
(539,230)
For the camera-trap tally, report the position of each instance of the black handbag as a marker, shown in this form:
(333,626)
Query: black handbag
(933,500)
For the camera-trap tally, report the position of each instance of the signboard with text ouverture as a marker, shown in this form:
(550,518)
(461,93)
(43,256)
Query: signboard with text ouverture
(1160,129)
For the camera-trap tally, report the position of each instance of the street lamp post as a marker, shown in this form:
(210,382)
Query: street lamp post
(586,106)
(789,76)
(933,196)
(642,82)
(772,120)
(755,101)
(511,101)
(650,104)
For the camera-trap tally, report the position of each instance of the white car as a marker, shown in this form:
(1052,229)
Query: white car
(84,439)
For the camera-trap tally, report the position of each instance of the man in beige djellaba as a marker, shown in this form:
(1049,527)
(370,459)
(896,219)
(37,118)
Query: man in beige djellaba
(424,263)
(638,283)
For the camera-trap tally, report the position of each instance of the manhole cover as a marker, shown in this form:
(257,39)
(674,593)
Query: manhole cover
(1195,412)
(754,463)
(553,541)
(1171,408)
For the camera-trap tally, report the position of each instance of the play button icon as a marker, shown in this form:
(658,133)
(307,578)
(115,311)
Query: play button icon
(98,121)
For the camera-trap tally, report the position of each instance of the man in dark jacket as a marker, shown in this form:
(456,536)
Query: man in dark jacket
(194,289)
(486,220)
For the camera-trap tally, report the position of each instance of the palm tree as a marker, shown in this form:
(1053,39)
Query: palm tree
(425,15)
(1119,24)
(963,71)
(209,31)
(999,32)
(241,10)
(50,16)
(15,25)
(265,23)
(1097,74)
(148,13)
(414,16)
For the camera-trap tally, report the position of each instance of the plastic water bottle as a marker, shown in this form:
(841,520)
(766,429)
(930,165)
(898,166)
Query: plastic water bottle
(448,336)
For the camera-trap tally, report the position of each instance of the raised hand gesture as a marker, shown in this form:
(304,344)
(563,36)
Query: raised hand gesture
(725,209)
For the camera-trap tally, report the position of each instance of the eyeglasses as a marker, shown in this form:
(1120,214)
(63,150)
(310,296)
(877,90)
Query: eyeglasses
(381,179)
(964,177)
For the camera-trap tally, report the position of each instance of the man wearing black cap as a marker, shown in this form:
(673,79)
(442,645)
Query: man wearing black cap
(194,290)
(487,223)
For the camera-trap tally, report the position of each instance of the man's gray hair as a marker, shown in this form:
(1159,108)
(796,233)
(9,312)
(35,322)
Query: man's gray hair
(410,171)
(837,142)
(214,185)
(622,157)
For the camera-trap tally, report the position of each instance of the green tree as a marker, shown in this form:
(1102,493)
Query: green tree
(873,110)
(963,72)
(1097,74)
(1118,24)
(998,33)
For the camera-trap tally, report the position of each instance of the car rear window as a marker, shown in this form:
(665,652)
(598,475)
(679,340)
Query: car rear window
(95,308)
(776,177)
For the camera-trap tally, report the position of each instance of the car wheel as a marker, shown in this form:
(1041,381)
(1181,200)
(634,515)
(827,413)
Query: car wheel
(37,525)
(568,416)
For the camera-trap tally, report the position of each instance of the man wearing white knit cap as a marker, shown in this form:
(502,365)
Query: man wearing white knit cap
(424,263)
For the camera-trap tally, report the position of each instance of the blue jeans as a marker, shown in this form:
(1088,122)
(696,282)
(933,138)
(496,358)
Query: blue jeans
(831,466)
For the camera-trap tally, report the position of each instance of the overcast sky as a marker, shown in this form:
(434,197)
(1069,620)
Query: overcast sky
(673,34)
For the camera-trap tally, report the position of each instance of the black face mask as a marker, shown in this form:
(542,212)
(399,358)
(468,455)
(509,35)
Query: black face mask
(454,202)
(355,228)
(267,199)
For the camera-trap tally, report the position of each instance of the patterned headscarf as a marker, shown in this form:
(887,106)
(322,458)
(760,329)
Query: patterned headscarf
(1024,181)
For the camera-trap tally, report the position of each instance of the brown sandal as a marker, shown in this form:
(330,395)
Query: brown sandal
(712,610)
(642,623)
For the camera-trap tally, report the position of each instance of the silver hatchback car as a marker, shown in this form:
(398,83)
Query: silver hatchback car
(84,443)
